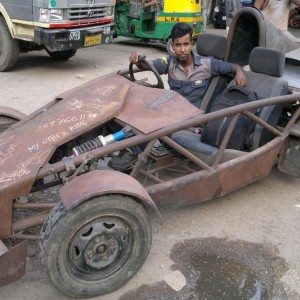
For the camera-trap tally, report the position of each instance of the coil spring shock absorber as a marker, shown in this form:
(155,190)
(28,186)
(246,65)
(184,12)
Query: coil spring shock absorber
(100,141)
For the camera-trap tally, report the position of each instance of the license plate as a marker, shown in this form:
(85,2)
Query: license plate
(92,40)
(224,18)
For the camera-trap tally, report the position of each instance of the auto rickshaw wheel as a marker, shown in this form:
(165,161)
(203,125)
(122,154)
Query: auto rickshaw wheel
(169,47)
(96,247)
(160,83)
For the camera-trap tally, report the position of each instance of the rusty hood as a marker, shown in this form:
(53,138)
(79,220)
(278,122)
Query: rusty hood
(28,145)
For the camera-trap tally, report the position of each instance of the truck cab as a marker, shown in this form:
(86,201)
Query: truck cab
(59,27)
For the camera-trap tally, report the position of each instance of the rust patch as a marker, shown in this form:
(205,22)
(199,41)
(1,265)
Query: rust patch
(149,109)
(13,263)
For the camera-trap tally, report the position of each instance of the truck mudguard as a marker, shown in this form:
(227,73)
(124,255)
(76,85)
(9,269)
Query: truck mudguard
(8,21)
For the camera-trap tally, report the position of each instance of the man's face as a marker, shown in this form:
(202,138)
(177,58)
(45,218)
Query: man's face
(183,48)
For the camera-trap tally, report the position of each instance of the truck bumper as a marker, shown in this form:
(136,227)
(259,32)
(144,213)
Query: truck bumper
(75,38)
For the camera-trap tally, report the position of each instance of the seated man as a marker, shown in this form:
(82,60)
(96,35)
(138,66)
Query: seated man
(189,74)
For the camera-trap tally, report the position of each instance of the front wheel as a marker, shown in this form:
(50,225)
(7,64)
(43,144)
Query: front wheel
(62,55)
(9,48)
(97,247)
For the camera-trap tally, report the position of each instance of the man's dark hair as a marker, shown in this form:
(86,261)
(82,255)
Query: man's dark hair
(181,29)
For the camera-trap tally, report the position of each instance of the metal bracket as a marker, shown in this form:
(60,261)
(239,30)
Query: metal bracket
(87,159)
(69,163)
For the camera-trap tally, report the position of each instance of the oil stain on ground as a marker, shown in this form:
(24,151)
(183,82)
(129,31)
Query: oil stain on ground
(222,269)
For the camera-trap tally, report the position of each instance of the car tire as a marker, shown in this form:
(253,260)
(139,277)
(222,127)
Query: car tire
(9,48)
(62,55)
(216,25)
(96,247)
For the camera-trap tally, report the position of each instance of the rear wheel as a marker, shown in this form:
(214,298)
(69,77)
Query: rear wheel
(97,247)
(62,55)
(9,47)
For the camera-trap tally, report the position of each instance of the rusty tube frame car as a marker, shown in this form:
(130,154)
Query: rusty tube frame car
(96,235)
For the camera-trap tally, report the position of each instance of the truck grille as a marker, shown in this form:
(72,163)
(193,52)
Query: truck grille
(81,13)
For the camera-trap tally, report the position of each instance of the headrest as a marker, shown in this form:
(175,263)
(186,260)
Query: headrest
(267,61)
(209,44)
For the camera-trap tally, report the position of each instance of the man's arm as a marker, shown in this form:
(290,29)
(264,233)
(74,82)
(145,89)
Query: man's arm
(160,64)
(219,67)
(148,4)
(261,4)
(240,78)
(134,58)
(296,2)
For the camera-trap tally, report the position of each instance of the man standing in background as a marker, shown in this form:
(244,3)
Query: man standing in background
(232,7)
(277,11)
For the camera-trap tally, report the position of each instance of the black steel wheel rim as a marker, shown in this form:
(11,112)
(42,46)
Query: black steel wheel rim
(100,248)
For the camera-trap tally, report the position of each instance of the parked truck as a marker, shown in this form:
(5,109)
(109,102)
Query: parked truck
(60,27)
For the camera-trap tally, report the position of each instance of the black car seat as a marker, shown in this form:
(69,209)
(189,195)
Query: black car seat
(265,79)
(267,66)
(212,45)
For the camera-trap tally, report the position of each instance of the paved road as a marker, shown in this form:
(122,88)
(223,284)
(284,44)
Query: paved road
(254,230)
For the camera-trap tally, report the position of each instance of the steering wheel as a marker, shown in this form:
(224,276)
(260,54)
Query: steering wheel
(159,84)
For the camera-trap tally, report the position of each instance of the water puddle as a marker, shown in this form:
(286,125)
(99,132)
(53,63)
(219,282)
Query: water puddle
(223,278)
(221,269)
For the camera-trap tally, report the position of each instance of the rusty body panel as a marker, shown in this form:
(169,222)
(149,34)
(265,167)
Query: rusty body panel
(187,190)
(14,263)
(151,111)
(87,106)
(227,177)
(244,170)
(5,218)
(11,112)
(289,160)
(103,182)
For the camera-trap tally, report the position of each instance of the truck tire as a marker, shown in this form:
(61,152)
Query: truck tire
(96,247)
(9,48)
(61,55)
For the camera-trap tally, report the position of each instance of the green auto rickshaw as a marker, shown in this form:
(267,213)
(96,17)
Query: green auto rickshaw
(153,19)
